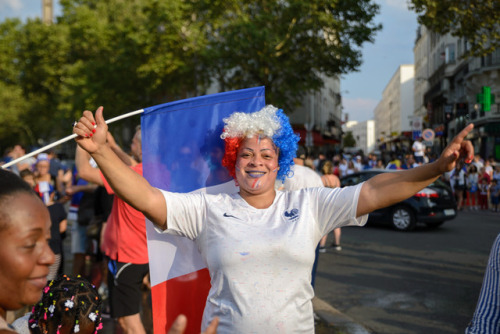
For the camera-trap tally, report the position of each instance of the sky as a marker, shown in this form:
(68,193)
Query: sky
(362,90)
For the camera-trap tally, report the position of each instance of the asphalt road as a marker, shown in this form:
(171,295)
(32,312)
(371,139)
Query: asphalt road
(424,281)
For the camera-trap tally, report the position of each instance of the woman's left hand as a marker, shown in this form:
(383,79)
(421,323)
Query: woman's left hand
(457,149)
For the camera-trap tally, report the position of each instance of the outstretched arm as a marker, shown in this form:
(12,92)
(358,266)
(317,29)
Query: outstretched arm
(389,188)
(127,184)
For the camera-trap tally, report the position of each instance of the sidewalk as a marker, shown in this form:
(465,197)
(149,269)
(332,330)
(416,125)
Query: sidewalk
(333,321)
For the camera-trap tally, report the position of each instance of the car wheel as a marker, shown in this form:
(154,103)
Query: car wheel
(434,225)
(403,218)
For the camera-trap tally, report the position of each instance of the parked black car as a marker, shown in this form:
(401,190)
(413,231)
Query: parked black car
(433,205)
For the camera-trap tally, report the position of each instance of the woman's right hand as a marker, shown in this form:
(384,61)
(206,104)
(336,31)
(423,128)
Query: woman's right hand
(92,132)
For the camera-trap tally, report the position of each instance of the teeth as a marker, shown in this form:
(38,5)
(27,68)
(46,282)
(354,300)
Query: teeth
(255,174)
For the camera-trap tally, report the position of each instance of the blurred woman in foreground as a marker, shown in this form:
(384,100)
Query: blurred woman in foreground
(25,255)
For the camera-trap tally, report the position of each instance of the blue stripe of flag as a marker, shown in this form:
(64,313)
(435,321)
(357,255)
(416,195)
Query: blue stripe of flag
(180,139)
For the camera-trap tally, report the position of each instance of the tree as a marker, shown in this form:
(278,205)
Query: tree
(348,140)
(132,54)
(14,105)
(286,45)
(126,55)
(478,22)
(43,60)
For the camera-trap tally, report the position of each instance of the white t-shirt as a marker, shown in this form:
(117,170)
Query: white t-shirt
(418,148)
(343,168)
(303,177)
(457,178)
(260,260)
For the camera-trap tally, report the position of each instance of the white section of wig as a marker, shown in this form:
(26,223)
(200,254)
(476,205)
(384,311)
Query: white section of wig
(262,122)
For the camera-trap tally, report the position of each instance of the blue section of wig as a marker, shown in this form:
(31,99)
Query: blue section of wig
(287,143)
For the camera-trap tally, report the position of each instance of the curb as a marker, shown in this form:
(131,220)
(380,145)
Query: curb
(333,317)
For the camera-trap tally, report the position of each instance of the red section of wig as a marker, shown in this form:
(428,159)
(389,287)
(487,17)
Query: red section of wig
(231,154)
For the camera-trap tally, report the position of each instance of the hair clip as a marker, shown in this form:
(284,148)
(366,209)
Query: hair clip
(69,304)
(93,316)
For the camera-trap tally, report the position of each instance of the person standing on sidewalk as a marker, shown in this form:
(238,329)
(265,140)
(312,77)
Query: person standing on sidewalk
(79,214)
(124,241)
(418,149)
(457,181)
(494,195)
(330,180)
(473,187)
(259,243)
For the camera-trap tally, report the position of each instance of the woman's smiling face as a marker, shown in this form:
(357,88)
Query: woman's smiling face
(257,165)
(25,255)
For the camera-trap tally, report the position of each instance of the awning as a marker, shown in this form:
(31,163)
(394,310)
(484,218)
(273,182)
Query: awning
(318,139)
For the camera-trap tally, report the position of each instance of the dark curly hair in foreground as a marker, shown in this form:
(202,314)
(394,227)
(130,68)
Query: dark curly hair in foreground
(68,305)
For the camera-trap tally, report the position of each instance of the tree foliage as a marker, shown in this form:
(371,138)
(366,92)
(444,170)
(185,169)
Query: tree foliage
(14,106)
(286,45)
(348,140)
(126,55)
(477,21)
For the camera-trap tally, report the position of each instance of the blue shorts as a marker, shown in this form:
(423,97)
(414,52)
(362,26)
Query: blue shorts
(494,200)
(419,159)
(78,238)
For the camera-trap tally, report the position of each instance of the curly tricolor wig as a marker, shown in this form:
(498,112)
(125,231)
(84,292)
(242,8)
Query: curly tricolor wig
(269,122)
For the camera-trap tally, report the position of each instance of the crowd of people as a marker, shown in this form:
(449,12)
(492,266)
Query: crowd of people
(283,224)
(476,185)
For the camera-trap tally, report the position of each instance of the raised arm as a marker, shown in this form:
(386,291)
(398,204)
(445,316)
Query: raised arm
(389,188)
(127,184)
(85,170)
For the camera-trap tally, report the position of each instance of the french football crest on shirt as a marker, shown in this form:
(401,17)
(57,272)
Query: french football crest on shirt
(291,215)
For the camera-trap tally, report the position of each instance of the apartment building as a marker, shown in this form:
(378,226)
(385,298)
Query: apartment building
(394,113)
(318,119)
(454,89)
(364,134)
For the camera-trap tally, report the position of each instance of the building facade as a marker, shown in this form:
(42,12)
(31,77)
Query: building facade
(364,134)
(394,113)
(319,116)
(454,90)
(421,83)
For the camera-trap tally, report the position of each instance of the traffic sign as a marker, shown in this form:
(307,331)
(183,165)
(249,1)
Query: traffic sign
(428,134)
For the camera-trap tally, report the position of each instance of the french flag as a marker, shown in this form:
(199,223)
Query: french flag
(182,152)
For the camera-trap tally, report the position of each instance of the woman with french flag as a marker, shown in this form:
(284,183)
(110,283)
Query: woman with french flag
(259,243)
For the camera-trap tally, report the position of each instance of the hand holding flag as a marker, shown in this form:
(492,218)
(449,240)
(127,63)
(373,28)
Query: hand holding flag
(92,132)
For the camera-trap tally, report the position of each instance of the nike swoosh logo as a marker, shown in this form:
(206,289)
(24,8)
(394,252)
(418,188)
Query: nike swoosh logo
(229,216)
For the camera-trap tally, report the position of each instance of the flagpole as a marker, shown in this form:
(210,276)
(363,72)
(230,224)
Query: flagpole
(65,139)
